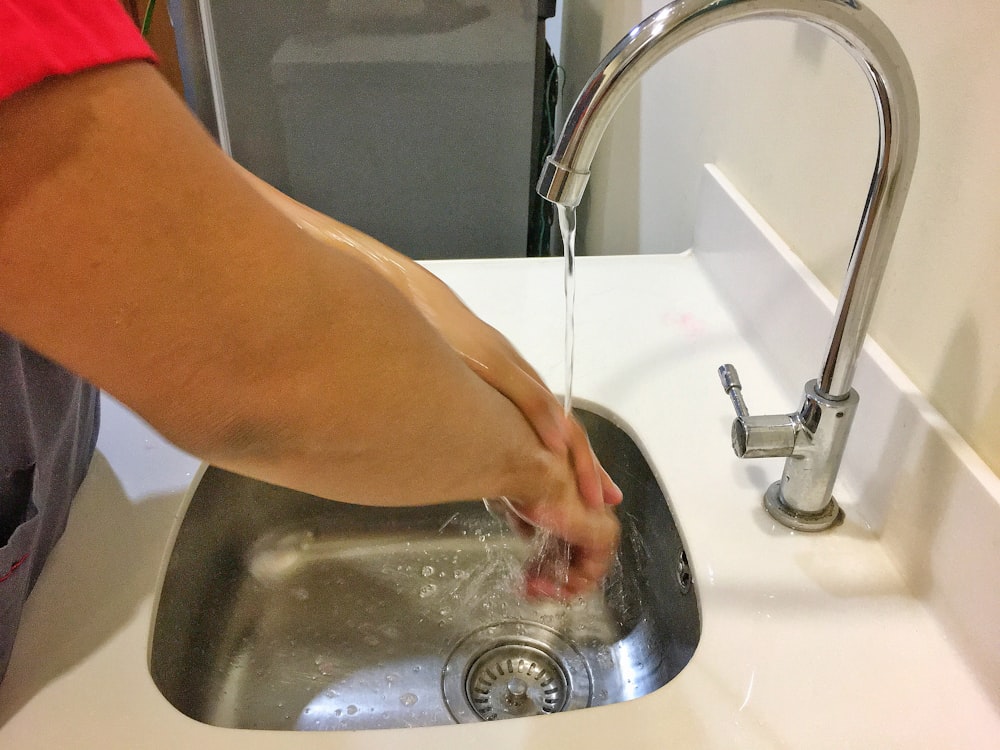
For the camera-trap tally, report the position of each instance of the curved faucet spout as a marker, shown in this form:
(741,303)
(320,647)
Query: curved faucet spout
(566,171)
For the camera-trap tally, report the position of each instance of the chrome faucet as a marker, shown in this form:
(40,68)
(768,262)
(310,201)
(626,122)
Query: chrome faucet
(813,438)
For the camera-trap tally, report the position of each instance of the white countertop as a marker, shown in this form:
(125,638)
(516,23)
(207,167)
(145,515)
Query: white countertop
(808,641)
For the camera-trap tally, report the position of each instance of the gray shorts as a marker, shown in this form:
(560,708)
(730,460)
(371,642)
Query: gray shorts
(48,427)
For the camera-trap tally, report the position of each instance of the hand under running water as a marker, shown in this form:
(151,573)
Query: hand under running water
(568,556)
(580,538)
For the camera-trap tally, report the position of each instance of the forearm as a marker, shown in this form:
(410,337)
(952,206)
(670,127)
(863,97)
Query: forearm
(393,266)
(170,283)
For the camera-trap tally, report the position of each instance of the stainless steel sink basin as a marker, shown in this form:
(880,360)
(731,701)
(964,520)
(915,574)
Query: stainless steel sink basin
(279,610)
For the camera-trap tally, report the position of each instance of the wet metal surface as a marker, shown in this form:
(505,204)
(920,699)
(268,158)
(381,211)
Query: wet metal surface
(280,610)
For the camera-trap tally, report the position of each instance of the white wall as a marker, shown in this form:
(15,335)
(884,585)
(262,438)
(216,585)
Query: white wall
(789,119)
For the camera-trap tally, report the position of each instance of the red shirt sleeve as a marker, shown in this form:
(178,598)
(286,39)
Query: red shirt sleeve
(42,38)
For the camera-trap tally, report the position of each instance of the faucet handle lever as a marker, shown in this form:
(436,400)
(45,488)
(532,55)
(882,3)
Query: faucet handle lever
(731,385)
(756,437)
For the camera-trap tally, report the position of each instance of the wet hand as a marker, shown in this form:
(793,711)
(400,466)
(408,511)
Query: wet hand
(572,543)
(494,359)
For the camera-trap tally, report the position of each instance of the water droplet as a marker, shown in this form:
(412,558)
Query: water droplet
(417,668)
(427,571)
(326,668)
(352,709)
(461,575)
(408,699)
(427,590)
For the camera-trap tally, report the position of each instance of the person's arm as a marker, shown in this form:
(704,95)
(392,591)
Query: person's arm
(134,253)
(484,349)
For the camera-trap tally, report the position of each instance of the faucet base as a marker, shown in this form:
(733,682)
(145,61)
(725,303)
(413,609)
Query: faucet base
(779,510)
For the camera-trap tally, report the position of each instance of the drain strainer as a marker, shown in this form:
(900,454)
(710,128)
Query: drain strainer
(514,669)
(515,679)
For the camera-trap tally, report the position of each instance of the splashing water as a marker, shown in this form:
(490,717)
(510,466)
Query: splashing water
(548,556)
(549,559)
(489,584)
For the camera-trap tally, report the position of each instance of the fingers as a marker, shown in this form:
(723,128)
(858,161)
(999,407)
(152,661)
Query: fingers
(539,407)
(489,354)
(595,484)
(510,374)
(612,493)
(574,546)
(547,569)
(562,570)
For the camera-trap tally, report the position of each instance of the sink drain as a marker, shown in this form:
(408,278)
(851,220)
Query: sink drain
(514,669)
(515,679)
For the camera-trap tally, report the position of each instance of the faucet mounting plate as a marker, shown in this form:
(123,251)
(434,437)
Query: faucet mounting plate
(775,505)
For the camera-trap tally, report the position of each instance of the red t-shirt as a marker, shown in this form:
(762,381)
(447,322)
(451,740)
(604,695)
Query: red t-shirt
(42,38)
